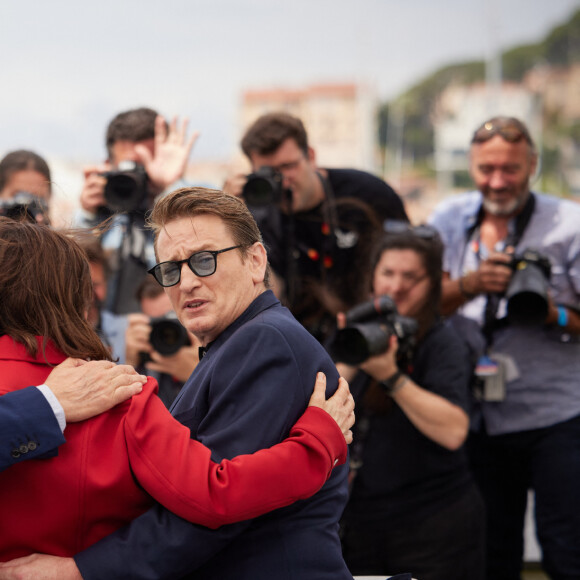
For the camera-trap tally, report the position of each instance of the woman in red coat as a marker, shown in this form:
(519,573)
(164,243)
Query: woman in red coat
(112,465)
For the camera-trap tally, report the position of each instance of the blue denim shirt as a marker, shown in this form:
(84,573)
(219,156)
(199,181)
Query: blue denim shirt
(543,386)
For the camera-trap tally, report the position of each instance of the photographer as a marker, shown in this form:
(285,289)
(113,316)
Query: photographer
(170,370)
(25,186)
(318,224)
(413,504)
(143,137)
(146,156)
(526,427)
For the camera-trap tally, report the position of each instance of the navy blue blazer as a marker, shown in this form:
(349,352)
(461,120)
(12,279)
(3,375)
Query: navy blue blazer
(28,427)
(248,390)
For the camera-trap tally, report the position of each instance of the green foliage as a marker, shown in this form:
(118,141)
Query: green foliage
(518,61)
(561,47)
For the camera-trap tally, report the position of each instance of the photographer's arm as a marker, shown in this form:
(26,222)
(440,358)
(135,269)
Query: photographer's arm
(437,418)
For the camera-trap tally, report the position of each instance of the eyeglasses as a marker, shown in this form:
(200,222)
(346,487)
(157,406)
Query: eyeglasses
(202,264)
(399,227)
(509,128)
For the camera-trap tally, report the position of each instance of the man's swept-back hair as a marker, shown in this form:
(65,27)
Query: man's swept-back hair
(134,125)
(22,160)
(194,201)
(268,132)
(45,290)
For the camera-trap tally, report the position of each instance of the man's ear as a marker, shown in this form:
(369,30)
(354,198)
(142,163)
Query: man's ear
(258,260)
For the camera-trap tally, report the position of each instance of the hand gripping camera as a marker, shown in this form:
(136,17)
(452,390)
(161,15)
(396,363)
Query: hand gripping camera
(369,327)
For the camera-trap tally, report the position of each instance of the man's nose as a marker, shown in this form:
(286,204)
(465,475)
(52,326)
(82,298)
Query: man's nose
(398,285)
(189,280)
(286,181)
(497,180)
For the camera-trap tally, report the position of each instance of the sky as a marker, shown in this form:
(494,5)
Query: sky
(66,68)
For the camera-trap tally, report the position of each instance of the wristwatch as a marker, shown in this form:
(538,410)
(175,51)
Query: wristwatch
(395,382)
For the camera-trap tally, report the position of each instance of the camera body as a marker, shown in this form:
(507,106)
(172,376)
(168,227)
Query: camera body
(167,336)
(263,187)
(24,204)
(369,327)
(126,188)
(527,292)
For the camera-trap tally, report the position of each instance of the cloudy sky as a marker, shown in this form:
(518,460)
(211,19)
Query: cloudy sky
(67,67)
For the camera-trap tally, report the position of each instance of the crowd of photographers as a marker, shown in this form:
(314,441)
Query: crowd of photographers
(459,338)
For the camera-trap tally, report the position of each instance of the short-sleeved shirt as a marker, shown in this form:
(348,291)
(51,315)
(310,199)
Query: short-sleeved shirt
(543,383)
(405,474)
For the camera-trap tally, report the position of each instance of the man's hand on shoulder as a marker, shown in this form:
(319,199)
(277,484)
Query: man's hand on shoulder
(40,567)
(85,389)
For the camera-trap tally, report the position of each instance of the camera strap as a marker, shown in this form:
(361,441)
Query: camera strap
(491,322)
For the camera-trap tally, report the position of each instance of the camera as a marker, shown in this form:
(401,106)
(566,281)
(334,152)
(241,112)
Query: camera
(25,205)
(167,336)
(126,188)
(368,328)
(263,187)
(527,293)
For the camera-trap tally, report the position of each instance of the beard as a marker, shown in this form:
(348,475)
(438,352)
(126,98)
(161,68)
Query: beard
(508,207)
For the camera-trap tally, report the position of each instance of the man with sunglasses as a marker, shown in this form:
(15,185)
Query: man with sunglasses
(320,232)
(526,421)
(253,381)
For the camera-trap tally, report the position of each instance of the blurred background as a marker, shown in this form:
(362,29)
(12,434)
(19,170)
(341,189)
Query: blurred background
(394,88)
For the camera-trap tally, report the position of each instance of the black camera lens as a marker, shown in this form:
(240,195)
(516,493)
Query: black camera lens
(370,325)
(355,344)
(168,336)
(126,189)
(263,187)
(26,206)
(527,293)
(527,296)
(260,192)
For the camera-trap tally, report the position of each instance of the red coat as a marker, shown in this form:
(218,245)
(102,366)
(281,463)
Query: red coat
(97,483)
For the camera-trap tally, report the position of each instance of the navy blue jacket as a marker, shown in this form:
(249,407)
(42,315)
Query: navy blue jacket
(28,427)
(248,390)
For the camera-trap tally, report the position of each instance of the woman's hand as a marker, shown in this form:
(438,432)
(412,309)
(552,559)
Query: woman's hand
(383,366)
(340,406)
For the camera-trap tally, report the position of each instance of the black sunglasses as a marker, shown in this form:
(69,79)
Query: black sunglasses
(399,227)
(202,264)
(509,128)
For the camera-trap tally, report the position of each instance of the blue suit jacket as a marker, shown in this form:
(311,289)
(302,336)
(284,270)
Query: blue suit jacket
(28,427)
(252,385)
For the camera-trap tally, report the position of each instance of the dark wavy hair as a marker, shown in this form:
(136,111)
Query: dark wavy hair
(45,290)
